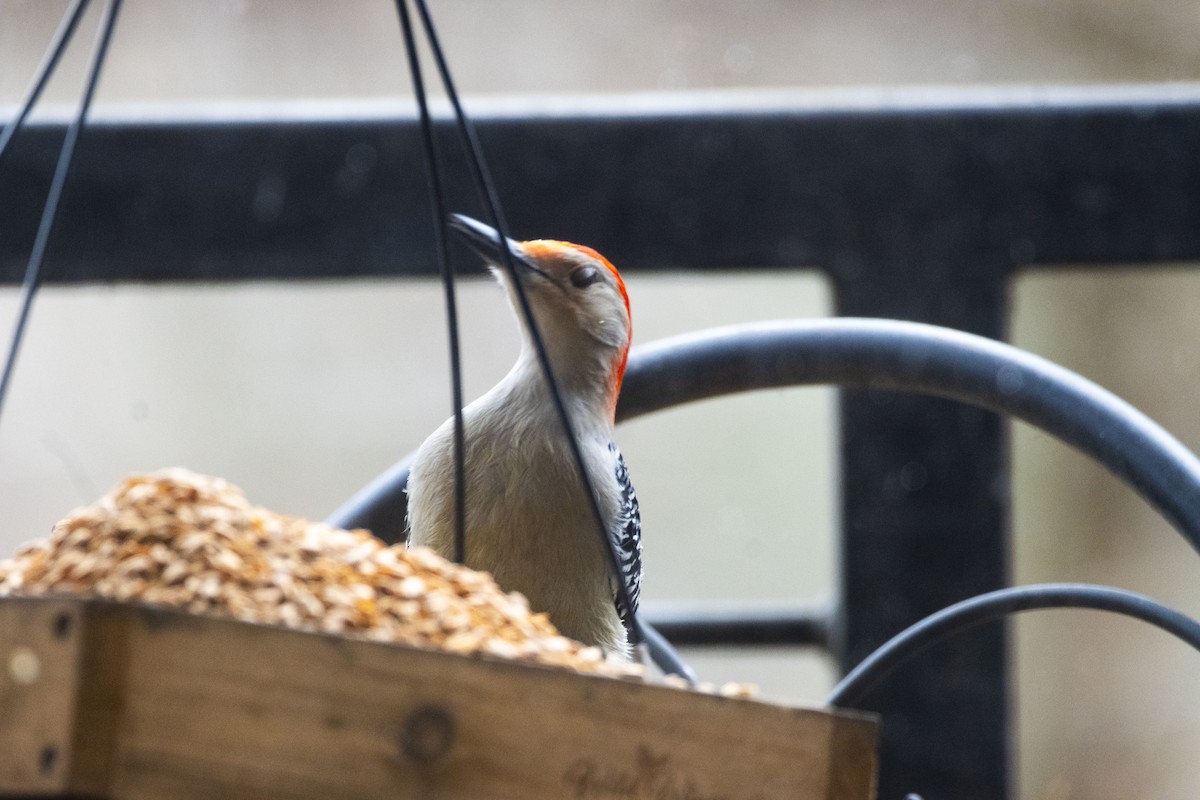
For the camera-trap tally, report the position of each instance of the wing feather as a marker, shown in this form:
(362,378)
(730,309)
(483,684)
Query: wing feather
(626,535)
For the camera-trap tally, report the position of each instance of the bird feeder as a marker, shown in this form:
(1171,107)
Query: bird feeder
(115,700)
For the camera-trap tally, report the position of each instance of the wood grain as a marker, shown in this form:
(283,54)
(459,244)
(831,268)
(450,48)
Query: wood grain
(176,706)
(40,646)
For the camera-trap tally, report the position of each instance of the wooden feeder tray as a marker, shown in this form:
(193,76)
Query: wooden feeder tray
(110,700)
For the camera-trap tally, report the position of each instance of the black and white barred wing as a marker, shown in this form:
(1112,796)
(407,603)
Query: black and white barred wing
(626,536)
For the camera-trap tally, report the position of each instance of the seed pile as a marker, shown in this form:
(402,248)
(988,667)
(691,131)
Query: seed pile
(175,538)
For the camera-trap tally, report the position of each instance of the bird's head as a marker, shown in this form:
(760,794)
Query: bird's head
(578,300)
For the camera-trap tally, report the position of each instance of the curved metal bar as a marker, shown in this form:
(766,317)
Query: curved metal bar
(663,653)
(925,359)
(381,506)
(882,354)
(992,606)
(876,354)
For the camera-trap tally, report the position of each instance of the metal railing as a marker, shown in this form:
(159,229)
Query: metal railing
(918,207)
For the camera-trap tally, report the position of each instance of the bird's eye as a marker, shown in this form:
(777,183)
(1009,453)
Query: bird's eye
(584,276)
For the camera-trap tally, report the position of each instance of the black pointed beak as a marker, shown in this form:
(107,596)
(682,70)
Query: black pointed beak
(485,240)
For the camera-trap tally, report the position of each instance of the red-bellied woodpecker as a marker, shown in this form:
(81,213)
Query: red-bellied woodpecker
(528,519)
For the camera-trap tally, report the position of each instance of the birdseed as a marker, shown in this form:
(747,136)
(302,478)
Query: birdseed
(191,542)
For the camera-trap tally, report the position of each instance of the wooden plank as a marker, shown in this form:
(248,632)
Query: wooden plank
(40,645)
(194,707)
(101,699)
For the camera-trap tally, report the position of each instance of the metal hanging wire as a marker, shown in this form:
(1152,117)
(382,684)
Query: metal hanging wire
(858,682)
(446,268)
(37,255)
(491,202)
(57,46)
(484,186)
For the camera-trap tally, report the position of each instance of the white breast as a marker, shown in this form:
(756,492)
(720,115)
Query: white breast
(528,519)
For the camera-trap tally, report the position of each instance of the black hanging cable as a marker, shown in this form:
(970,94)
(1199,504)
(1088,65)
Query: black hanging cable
(33,270)
(487,191)
(959,617)
(436,198)
(58,45)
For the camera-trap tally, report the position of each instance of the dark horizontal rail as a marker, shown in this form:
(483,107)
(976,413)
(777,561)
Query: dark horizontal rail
(926,187)
(701,627)
(917,206)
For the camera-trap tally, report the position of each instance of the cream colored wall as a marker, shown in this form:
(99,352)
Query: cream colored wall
(338,48)
(1108,707)
(301,393)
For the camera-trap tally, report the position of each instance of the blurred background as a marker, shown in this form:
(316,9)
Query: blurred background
(301,393)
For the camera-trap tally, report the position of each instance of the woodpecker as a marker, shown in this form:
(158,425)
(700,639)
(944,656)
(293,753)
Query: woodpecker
(528,519)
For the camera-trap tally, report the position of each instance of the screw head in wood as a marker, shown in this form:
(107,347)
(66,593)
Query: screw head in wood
(24,666)
(427,734)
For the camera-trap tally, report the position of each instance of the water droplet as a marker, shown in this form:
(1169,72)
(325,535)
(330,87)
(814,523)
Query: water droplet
(739,58)
(1009,380)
